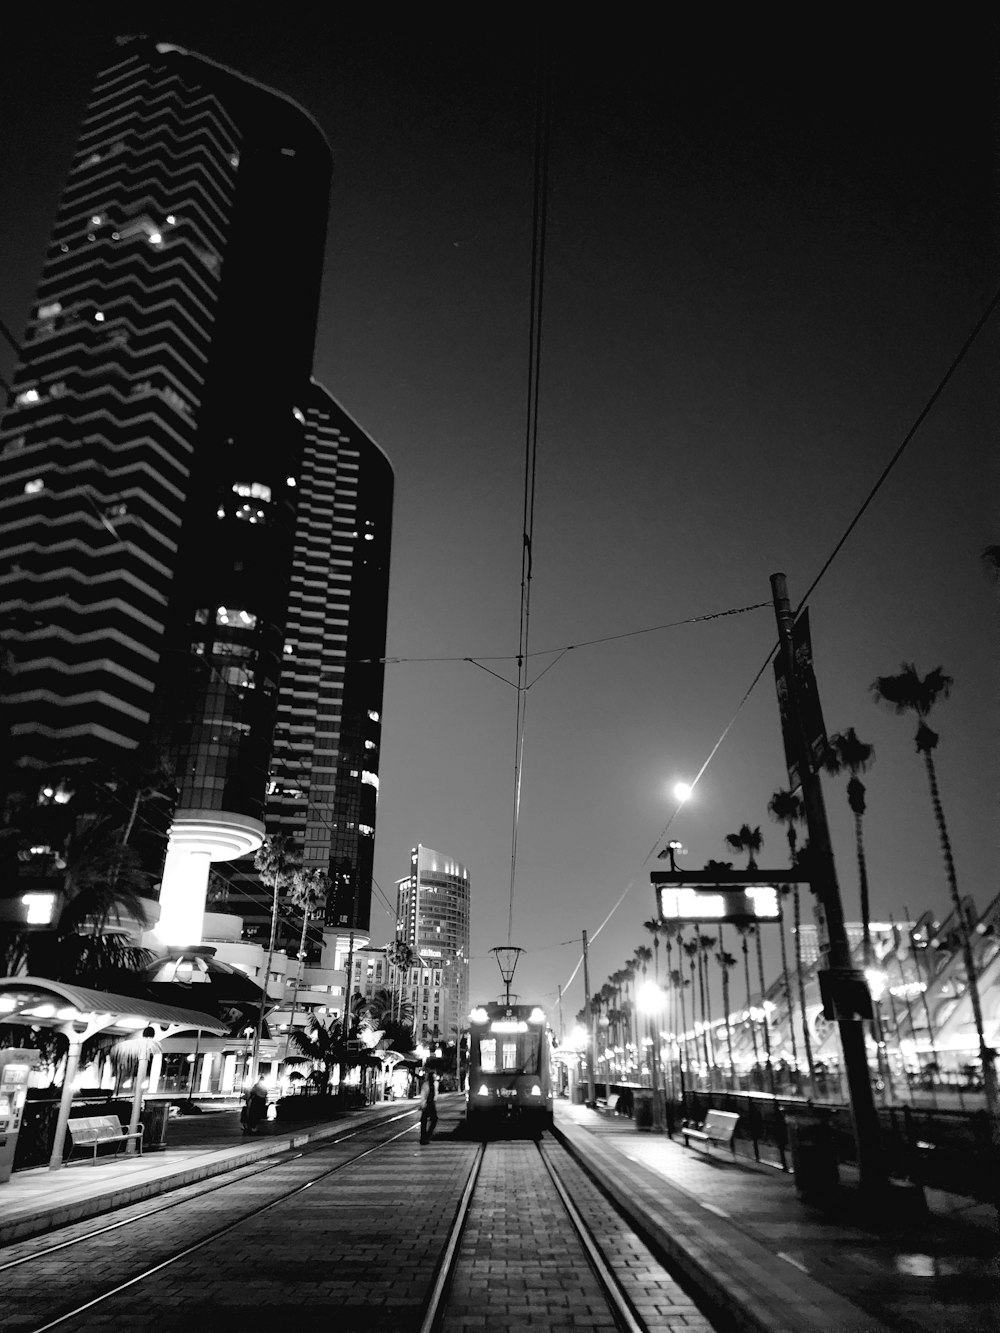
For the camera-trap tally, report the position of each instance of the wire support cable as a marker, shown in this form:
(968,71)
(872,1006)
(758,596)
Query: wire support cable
(543,124)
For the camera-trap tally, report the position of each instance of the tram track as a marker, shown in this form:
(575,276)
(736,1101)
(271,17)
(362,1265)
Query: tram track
(185,1194)
(314,1248)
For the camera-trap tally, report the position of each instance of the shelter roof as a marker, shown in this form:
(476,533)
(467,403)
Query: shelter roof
(39,1001)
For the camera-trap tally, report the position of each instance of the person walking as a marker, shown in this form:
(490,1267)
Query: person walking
(428,1111)
(256,1107)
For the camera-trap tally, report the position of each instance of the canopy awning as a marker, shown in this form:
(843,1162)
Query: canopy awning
(80,1012)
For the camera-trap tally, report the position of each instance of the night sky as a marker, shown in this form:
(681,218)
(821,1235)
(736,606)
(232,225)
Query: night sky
(765,247)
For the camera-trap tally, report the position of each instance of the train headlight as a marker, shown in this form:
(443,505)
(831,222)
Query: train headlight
(483,1091)
(535,1090)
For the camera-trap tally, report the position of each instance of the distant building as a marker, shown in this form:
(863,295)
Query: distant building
(432,917)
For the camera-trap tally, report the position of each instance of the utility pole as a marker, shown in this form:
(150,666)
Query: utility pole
(592,1024)
(835,954)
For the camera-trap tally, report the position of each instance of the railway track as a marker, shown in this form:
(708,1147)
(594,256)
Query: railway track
(371,1231)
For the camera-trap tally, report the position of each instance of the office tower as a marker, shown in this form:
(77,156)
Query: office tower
(154,444)
(432,916)
(325,770)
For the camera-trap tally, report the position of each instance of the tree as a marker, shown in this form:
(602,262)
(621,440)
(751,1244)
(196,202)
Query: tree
(848,753)
(307,891)
(744,929)
(726,963)
(400,957)
(655,928)
(277,860)
(323,1043)
(748,840)
(908,692)
(785,807)
(706,944)
(692,948)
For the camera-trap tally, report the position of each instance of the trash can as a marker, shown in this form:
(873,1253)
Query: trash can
(153,1118)
(814,1155)
(643,1106)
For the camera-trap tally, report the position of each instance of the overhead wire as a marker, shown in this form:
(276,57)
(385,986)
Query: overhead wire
(543,125)
(918,421)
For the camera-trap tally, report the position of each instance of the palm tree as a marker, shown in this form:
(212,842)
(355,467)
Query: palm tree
(307,891)
(678,984)
(643,956)
(276,860)
(656,929)
(847,752)
(400,957)
(726,963)
(325,1044)
(706,943)
(907,692)
(785,807)
(744,929)
(692,948)
(746,839)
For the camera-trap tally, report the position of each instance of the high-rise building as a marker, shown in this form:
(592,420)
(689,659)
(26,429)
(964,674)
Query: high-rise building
(154,447)
(432,917)
(325,771)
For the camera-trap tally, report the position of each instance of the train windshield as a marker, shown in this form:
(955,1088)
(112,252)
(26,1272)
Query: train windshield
(510,1054)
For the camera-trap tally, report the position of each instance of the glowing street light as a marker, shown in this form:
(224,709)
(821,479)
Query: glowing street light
(650,1000)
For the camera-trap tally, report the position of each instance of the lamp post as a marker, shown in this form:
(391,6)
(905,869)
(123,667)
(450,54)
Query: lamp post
(650,998)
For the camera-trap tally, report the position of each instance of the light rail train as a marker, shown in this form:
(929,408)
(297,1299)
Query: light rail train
(510,1083)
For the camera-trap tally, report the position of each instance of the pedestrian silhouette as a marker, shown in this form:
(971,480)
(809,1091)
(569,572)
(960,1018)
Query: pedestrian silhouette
(428,1111)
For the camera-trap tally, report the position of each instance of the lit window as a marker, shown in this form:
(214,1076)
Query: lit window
(234,159)
(155,238)
(288,152)
(369,779)
(171,219)
(367,830)
(36,484)
(369,745)
(201,615)
(49,311)
(289,649)
(229,616)
(290,481)
(297,414)
(373,715)
(98,316)
(220,512)
(254,490)
(28,396)
(369,537)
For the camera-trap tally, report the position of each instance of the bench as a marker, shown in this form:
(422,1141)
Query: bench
(719,1127)
(92,1131)
(611,1105)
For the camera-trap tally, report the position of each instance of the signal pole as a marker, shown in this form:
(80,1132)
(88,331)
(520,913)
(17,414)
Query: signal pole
(835,954)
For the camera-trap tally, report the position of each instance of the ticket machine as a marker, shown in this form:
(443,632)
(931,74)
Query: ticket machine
(15,1066)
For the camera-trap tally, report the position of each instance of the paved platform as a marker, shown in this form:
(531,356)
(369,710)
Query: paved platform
(740,1238)
(766,1261)
(197,1147)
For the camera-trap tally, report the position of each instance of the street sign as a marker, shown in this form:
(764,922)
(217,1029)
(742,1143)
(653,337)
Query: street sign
(807,695)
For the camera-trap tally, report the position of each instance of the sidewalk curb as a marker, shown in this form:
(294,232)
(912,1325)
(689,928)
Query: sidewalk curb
(747,1285)
(215,1162)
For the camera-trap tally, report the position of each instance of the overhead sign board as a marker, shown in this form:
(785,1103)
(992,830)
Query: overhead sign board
(756,903)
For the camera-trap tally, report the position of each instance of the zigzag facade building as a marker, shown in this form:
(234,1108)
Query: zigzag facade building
(190,528)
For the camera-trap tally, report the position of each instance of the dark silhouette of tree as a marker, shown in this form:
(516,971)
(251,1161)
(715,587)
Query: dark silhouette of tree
(909,692)
(785,807)
(848,753)
(748,840)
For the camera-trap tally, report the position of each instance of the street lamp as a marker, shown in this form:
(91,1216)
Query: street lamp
(650,999)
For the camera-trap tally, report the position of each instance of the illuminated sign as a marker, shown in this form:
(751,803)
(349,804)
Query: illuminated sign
(759,903)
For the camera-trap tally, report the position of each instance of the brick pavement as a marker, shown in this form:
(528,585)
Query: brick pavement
(742,1237)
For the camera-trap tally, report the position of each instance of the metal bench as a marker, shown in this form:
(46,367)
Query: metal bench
(91,1131)
(611,1105)
(719,1127)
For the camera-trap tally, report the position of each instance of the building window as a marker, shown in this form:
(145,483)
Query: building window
(252,490)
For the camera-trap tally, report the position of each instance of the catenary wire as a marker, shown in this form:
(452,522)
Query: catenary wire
(918,421)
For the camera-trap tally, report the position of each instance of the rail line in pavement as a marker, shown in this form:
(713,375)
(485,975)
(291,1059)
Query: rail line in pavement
(184,1194)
